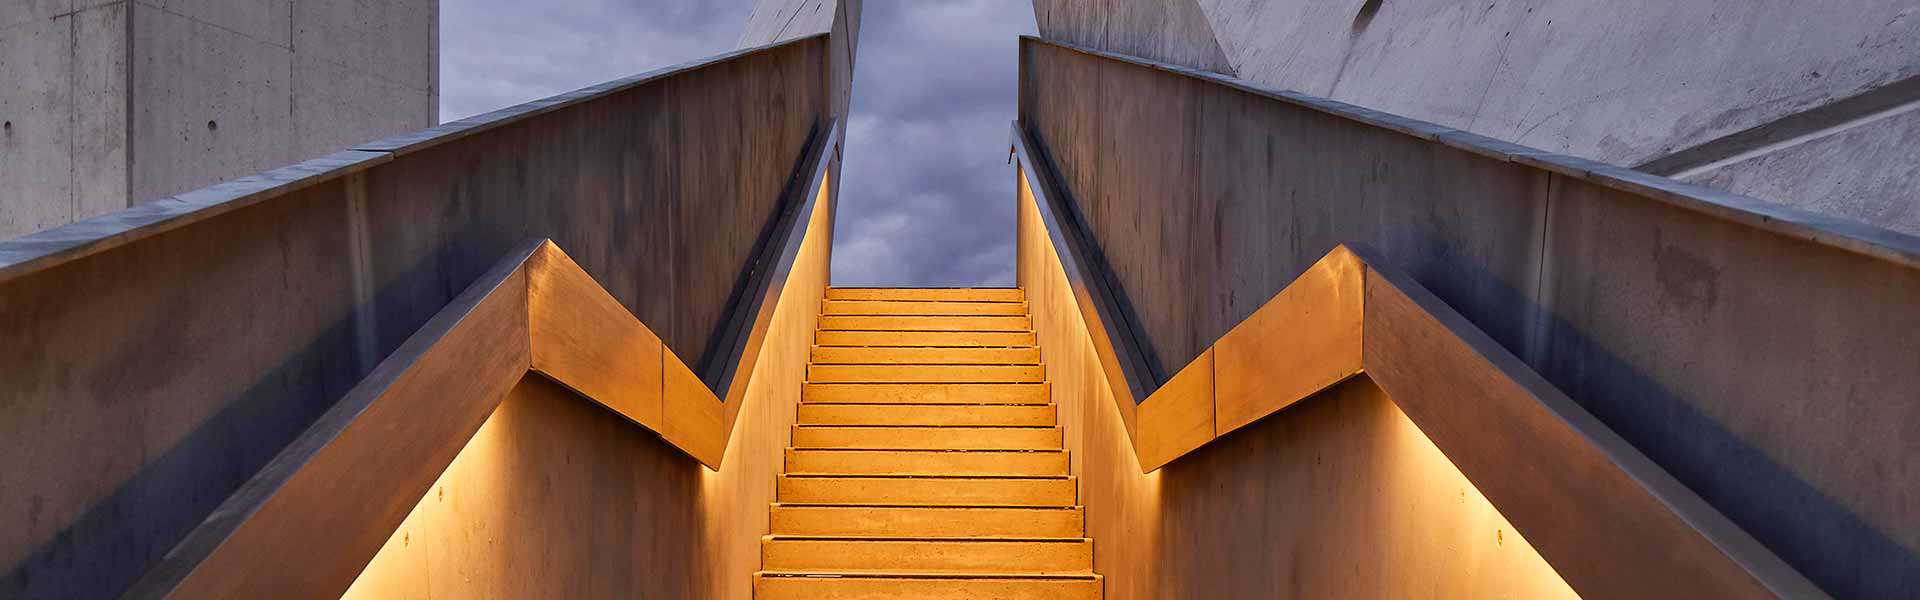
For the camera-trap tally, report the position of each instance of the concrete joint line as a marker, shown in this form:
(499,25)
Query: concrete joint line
(1833,118)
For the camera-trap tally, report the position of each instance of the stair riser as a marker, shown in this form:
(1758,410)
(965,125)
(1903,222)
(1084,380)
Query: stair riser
(924,373)
(885,307)
(824,355)
(941,323)
(922,556)
(813,588)
(955,492)
(924,338)
(925,414)
(928,522)
(926,294)
(860,462)
(926,393)
(927,438)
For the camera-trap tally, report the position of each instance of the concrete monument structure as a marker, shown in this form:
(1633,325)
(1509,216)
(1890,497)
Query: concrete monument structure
(1265,343)
(1804,104)
(109,104)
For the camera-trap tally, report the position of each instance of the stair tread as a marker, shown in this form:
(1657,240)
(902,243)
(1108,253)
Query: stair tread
(970,294)
(941,539)
(931,506)
(929,574)
(900,478)
(931,426)
(923,476)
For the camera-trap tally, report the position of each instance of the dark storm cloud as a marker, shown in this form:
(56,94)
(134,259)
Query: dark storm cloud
(926,194)
(498,53)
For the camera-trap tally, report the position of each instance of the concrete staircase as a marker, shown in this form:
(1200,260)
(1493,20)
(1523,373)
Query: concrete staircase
(926,462)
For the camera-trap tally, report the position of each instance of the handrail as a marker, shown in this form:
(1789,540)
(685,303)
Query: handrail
(1608,519)
(307,523)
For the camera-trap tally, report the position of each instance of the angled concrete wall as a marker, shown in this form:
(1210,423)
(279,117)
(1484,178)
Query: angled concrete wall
(778,20)
(1627,83)
(1173,31)
(1765,359)
(110,104)
(166,352)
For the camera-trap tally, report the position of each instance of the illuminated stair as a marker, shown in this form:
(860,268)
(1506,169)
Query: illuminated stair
(926,459)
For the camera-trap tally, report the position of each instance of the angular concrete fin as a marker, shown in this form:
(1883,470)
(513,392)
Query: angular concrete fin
(1172,31)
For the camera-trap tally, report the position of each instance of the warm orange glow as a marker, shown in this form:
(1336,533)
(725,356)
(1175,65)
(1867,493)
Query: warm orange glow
(473,490)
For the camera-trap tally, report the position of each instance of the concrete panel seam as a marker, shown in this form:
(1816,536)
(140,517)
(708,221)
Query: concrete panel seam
(163,10)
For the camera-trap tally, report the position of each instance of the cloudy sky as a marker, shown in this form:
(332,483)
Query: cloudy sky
(926,194)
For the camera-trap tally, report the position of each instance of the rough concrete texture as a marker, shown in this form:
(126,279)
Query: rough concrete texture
(1866,170)
(1173,31)
(1707,342)
(224,88)
(169,407)
(1283,508)
(780,20)
(62,118)
(111,104)
(1623,83)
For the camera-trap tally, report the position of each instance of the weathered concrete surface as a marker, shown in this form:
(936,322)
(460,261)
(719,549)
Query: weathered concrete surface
(777,20)
(552,498)
(114,103)
(254,320)
(224,88)
(1340,496)
(1173,31)
(63,149)
(1769,373)
(557,498)
(1865,169)
(1622,83)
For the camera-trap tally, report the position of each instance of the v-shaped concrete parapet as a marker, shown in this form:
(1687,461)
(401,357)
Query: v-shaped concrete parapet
(1610,521)
(307,524)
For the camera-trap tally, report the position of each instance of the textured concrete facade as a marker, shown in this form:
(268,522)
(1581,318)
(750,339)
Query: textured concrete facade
(122,102)
(1628,83)
(63,146)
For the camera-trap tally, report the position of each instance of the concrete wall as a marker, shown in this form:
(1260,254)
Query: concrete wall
(778,20)
(1623,83)
(63,112)
(1174,31)
(136,100)
(1338,497)
(553,498)
(1769,373)
(200,334)
(557,498)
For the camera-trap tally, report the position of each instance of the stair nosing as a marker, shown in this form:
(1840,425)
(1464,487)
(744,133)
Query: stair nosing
(805,449)
(900,505)
(918,506)
(817,475)
(938,540)
(1015,576)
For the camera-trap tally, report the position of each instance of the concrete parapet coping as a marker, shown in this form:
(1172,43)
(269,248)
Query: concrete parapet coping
(59,245)
(1852,236)
(1588,500)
